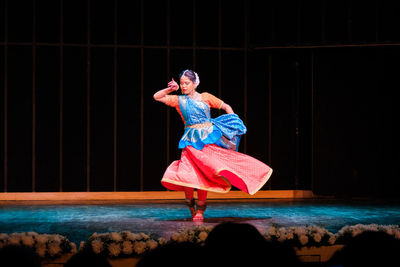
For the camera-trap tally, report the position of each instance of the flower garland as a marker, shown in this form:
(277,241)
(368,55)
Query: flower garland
(121,244)
(300,236)
(349,231)
(128,244)
(45,245)
(197,234)
(317,236)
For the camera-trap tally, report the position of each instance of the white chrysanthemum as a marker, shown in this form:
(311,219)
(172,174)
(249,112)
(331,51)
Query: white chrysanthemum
(299,231)
(139,247)
(73,248)
(32,233)
(4,236)
(271,231)
(144,236)
(332,239)
(397,234)
(290,235)
(303,239)
(116,237)
(17,235)
(389,231)
(321,231)
(203,236)
(41,250)
(175,236)
(103,236)
(183,237)
(14,240)
(267,237)
(282,231)
(132,236)
(151,244)
(97,246)
(127,247)
(205,228)
(41,239)
(28,241)
(54,249)
(162,241)
(82,245)
(373,227)
(356,232)
(114,249)
(282,238)
(317,237)
(56,238)
(344,230)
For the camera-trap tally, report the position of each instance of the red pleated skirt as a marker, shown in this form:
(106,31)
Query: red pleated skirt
(216,169)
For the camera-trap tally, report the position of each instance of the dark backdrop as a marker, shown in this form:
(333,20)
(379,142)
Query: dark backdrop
(314,81)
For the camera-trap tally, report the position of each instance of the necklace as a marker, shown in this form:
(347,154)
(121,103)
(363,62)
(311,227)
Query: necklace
(196,96)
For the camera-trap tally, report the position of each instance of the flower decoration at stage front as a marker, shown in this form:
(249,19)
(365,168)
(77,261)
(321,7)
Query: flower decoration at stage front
(300,236)
(348,232)
(197,234)
(46,245)
(121,244)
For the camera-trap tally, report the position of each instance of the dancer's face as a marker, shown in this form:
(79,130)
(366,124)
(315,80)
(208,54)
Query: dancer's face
(187,86)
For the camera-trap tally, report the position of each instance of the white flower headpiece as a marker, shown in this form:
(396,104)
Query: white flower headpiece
(197,80)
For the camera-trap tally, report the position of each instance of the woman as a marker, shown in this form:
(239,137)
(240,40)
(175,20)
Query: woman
(209,160)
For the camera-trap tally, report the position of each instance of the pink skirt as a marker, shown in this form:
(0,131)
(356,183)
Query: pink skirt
(216,169)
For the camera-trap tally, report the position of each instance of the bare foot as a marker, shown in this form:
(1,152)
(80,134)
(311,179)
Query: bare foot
(198,217)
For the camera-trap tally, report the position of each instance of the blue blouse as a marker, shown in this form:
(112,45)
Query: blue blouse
(200,129)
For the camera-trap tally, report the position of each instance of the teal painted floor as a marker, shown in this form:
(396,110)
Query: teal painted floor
(78,222)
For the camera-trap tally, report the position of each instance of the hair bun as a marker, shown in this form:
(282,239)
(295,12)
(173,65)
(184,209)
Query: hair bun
(192,75)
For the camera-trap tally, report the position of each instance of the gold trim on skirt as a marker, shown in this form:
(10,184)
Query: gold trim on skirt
(199,125)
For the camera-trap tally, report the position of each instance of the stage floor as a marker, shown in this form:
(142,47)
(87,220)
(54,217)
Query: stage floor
(164,217)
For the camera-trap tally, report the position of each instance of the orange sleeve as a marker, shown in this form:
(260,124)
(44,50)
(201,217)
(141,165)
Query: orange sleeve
(212,101)
(172,101)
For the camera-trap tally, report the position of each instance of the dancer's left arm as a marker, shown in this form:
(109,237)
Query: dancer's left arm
(217,103)
(227,108)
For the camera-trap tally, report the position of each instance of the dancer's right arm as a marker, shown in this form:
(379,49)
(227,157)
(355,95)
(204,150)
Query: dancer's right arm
(161,95)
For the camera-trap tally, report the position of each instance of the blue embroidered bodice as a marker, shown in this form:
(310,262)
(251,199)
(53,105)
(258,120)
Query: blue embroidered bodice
(200,129)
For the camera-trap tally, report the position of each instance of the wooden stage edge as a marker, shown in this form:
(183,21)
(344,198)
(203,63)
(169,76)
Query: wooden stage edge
(149,195)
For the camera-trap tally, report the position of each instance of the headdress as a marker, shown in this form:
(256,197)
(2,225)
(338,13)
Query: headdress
(196,76)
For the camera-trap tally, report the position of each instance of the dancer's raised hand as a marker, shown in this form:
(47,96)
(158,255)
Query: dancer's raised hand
(173,85)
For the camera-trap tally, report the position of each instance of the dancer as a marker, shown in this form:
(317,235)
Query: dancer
(209,159)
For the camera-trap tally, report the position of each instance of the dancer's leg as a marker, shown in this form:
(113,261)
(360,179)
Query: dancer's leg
(201,205)
(190,200)
(202,195)
(188,192)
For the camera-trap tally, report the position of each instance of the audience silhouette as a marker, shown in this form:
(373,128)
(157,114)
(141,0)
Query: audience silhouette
(182,254)
(87,258)
(368,249)
(17,255)
(230,244)
(241,244)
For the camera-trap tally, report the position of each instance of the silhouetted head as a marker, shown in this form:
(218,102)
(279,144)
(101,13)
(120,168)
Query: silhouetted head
(182,254)
(16,255)
(234,235)
(241,244)
(369,249)
(87,258)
